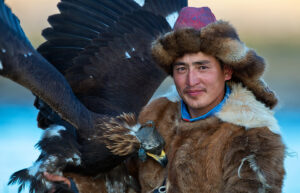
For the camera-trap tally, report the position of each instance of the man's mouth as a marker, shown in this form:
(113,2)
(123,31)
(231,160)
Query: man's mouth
(195,92)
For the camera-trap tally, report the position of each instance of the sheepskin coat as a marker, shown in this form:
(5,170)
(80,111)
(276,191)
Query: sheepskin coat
(239,149)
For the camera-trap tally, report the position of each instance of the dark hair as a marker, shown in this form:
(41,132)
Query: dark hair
(222,64)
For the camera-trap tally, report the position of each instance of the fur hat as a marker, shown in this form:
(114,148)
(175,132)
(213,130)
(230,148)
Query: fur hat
(216,38)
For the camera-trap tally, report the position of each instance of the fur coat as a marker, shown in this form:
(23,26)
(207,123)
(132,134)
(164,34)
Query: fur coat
(237,150)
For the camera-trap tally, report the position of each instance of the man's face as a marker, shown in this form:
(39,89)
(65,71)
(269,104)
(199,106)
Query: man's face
(200,81)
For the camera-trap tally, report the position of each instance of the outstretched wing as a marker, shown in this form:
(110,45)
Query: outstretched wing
(103,48)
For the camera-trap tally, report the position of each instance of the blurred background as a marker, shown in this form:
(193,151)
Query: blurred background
(271,27)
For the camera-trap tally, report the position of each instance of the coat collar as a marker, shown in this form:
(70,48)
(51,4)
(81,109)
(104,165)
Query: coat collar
(242,108)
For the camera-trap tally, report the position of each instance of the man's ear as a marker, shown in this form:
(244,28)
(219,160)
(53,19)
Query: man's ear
(227,72)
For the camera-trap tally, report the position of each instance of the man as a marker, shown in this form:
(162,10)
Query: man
(221,135)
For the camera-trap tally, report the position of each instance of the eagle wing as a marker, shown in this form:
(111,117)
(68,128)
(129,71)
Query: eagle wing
(103,49)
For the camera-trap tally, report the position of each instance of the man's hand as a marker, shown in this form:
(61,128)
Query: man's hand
(57,178)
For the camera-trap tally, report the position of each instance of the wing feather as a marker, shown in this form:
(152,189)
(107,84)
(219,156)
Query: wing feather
(124,59)
(101,45)
(80,19)
(164,8)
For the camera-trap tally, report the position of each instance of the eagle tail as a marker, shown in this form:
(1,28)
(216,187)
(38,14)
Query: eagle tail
(37,184)
(23,177)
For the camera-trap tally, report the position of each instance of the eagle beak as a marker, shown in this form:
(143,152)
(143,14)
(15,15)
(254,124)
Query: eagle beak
(162,158)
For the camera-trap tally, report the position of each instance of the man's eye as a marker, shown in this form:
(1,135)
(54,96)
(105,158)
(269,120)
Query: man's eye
(202,67)
(180,69)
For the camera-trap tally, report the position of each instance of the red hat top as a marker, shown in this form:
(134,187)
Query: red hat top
(192,17)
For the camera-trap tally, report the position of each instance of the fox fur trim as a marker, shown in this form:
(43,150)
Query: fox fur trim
(220,40)
(241,108)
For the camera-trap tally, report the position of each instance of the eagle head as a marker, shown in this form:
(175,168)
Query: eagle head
(152,143)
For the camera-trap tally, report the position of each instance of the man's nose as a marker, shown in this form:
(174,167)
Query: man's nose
(192,78)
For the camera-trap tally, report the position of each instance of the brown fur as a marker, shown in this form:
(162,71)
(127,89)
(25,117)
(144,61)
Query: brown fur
(117,181)
(204,156)
(220,40)
(88,184)
(117,136)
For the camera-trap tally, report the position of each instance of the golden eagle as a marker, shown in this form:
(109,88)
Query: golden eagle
(91,78)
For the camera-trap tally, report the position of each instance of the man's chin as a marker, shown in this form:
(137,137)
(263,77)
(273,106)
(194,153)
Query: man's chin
(192,102)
